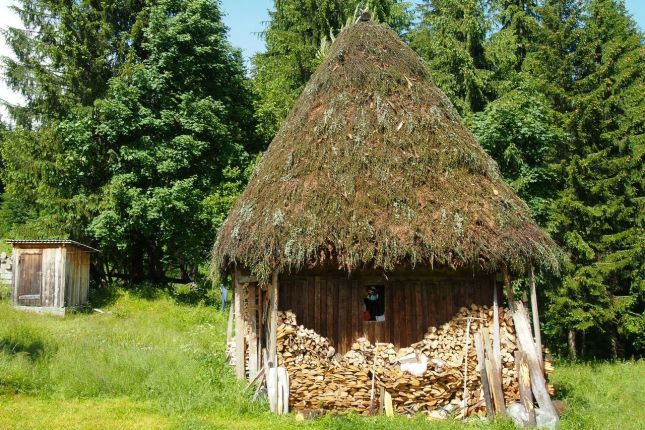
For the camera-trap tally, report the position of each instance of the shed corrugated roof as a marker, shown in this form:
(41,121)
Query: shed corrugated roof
(51,242)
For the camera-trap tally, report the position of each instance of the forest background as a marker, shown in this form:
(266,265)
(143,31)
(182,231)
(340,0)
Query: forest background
(140,124)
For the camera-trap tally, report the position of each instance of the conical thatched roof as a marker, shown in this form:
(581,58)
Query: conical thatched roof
(373,167)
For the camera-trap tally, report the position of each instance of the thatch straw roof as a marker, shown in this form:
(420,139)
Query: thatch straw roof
(373,167)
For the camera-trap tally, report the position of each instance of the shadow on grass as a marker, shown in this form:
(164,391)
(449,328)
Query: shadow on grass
(33,349)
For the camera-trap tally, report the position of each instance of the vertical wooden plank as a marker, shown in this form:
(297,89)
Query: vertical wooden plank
(343,303)
(497,354)
(323,307)
(355,315)
(481,363)
(317,304)
(494,377)
(331,311)
(273,329)
(311,308)
(390,316)
(239,329)
(418,300)
(252,340)
(536,316)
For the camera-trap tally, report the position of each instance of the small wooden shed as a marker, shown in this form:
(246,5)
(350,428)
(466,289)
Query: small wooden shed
(50,275)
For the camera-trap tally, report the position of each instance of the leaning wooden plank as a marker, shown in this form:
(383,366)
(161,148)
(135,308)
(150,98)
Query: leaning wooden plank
(536,316)
(526,345)
(497,349)
(240,330)
(494,376)
(479,346)
(526,397)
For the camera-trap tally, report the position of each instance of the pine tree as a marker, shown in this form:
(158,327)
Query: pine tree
(599,214)
(451,38)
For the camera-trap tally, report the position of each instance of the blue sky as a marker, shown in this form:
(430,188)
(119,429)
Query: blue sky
(246,18)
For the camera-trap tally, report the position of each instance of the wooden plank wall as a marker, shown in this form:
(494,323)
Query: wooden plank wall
(77,276)
(332,303)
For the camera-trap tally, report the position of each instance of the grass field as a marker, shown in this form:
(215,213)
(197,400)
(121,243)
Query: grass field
(151,362)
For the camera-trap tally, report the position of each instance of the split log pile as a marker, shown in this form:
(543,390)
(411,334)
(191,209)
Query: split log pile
(322,379)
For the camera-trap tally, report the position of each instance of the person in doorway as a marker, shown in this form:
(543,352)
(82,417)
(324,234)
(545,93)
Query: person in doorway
(374,306)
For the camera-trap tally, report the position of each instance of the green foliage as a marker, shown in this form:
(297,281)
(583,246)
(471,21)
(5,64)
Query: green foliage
(522,132)
(145,162)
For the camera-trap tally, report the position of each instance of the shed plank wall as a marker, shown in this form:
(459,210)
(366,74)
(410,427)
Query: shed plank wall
(76,276)
(412,304)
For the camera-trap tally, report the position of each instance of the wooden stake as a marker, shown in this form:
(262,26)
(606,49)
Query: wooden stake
(526,345)
(536,317)
(526,397)
(479,347)
(240,329)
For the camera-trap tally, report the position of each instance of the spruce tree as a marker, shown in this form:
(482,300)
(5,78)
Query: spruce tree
(451,36)
(599,214)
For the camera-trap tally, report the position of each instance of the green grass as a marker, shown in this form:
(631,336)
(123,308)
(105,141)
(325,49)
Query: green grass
(151,362)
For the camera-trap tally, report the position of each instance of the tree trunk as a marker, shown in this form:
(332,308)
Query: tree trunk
(571,339)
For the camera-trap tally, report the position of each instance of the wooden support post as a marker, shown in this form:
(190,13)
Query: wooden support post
(273,318)
(240,329)
(494,376)
(526,345)
(252,338)
(229,326)
(497,348)
(507,284)
(536,317)
(526,397)
(479,347)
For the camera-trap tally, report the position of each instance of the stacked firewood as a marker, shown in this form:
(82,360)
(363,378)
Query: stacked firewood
(321,379)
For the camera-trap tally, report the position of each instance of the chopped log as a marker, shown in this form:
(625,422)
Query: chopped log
(526,345)
(479,346)
(526,397)
(321,378)
(497,356)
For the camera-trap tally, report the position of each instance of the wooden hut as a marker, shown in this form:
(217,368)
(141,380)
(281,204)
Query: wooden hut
(50,275)
(372,188)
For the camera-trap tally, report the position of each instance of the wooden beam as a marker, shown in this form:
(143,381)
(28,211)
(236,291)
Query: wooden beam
(240,329)
(479,346)
(527,345)
(536,316)
(229,326)
(526,397)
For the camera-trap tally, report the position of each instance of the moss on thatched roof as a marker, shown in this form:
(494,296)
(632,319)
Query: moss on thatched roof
(373,167)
